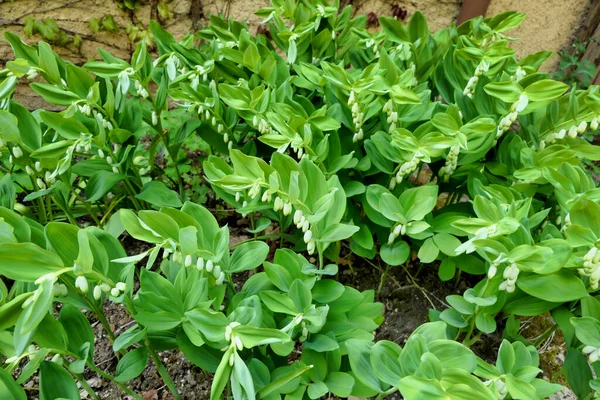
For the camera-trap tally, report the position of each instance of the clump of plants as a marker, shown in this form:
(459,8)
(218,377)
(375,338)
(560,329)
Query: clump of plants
(316,135)
(574,69)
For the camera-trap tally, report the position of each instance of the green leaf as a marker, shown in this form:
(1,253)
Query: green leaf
(396,253)
(428,251)
(337,232)
(242,385)
(385,361)
(282,381)
(222,375)
(340,383)
(587,330)
(78,328)
(27,261)
(446,243)
(416,388)
(403,96)
(56,383)
(47,62)
(55,95)
(248,256)
(485,323)
(9,389)
(507,91)
(546,89)
(252,337)
(447,269)
(68,128)
(157,194)
(100,184)
(9,127)
(359,354)
(211,324)
(394,29)
(131,365)
(560,286)
(29,129)
(51,334)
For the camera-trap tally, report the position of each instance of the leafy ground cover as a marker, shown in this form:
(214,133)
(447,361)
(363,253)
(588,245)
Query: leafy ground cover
(256,206)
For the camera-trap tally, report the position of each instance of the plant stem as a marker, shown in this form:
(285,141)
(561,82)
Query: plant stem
(382,280)
(271,236)
(162,371)
(97,310)
(87,207)
(467,341)
(87,387)
(173,157)
(386,393)
(111,378)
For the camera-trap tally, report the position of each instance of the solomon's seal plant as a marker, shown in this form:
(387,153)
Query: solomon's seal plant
(331,142)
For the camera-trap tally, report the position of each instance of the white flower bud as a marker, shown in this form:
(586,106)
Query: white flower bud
(200,264)
(29,171)
(287,209)
(582,127)
(209,266)
(220,279)
(308,236)
(391,238)
(521,104)
(114,292)
(238,343)
(352,98)
(120,286)
(188,261)
(588,349)
(310,247)
(393,183)
(492,271)
(297,217)
(154,118)
(397,230)
(594,124)
(216,271)
(104,287)
(305,226)
(97,292)
(81,283)
(595,356)
(278,204)
(18,153)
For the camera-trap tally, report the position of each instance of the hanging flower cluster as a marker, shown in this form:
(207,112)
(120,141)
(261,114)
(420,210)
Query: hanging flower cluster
(481,68)
(591,267)
(451,163)
(357,117)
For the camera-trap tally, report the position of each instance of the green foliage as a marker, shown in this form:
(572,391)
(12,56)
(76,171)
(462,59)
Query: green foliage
(401,141)
(573,68)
